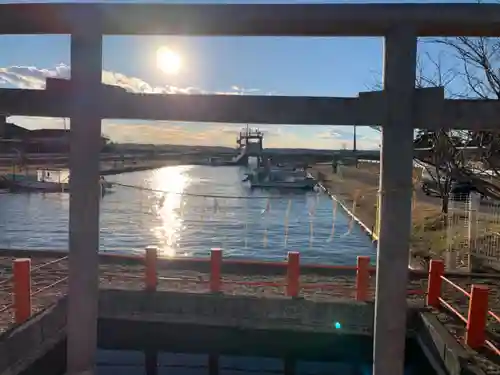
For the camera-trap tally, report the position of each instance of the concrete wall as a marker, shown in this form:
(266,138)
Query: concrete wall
(233,325)
(22,345)
(356,318)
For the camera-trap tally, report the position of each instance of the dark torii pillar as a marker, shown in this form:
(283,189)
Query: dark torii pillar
(396,163)
(85,194)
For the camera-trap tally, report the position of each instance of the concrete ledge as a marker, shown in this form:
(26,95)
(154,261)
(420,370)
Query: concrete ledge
(22,345)
(441,345)
(248,312)
(221,324)
(238,311)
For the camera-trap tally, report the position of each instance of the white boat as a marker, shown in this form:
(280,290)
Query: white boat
(277,178)
(46,180)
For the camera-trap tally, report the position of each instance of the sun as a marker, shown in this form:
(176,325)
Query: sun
(168,61)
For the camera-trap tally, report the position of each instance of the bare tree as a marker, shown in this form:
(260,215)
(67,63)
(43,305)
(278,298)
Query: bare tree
(437,152)
(468,68)
(443,159)
(475,66)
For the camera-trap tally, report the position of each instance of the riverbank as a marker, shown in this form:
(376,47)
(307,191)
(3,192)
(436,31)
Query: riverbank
(429,234)
(107,167)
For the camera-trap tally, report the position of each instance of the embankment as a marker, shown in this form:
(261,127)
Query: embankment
(360,185)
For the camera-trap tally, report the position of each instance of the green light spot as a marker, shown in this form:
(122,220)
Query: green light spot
(338,325)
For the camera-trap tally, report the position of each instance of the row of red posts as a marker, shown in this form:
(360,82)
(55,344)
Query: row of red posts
(475,336)
(475,321)
(292,275)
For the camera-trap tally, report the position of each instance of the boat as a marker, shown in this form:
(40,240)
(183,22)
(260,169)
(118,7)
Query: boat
(280,178)
(45,180)
(216,162)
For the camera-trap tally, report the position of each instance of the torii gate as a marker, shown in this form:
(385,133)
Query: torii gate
(399,109)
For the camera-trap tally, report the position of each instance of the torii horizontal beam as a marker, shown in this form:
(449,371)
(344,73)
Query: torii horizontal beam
(431,110)
(257,20)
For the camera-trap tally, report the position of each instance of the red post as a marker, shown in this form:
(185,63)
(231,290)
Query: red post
(362,278)
(215,270)
(151,275)
(476,321)
(22,289)
(434,283)
(293,274)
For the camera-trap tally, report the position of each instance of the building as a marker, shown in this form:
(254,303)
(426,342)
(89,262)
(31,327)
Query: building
(17,138)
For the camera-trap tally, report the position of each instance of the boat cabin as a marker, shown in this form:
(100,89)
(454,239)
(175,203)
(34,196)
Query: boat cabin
(58,176)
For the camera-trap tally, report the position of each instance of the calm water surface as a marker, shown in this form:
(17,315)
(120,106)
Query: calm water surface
(182,222)
(135,363)
(140,363)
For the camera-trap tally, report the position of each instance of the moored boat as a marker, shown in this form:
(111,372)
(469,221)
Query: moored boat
(45,180)
(277,178)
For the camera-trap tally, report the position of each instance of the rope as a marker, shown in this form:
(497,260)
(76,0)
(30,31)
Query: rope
(334,218)
(11,277)
(6,281)
(353,210)
(7,307)
(49,263)
(246,225)
(49,286)
(197,195)
(287,215)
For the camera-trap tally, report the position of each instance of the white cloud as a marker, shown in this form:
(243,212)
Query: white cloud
(30,77)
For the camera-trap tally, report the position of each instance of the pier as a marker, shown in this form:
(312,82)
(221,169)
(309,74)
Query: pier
(399,108)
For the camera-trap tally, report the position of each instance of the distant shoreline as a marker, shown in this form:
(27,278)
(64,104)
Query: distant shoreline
(110,164)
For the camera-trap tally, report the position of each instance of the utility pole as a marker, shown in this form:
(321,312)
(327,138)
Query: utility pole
(354,145)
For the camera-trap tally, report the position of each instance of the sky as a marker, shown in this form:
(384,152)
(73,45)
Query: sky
(223,65)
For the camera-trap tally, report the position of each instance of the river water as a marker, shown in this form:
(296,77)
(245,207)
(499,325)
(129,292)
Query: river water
(186,211)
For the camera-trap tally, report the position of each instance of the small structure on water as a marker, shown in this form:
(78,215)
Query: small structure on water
(250,144)
(47,180)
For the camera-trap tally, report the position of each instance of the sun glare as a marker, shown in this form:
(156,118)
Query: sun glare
(168,61)
(167,226)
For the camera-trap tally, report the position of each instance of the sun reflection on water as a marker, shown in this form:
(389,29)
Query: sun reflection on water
(168,207)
